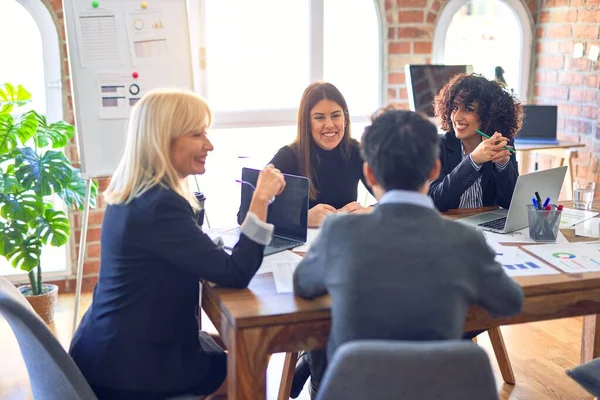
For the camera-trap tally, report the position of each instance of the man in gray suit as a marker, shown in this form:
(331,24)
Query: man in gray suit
(402,272)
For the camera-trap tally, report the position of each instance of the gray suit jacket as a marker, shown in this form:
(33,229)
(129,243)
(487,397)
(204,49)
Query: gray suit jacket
(403,272)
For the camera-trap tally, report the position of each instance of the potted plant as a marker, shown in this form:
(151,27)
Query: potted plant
(34,174)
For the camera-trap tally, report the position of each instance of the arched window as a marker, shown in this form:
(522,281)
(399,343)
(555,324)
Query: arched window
(34,63)
(257,57)
(487,34)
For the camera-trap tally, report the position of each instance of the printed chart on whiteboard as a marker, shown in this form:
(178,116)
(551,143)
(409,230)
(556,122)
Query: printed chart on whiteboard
(118,94)
(98,36)
(147,30)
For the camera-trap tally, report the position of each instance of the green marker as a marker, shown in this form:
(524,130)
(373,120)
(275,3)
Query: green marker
(487,137)
(95,4)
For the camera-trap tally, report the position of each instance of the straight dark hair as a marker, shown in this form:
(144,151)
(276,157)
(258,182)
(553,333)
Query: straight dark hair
(314,93)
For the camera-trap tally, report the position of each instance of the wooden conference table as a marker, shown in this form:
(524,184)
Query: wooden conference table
(258,321)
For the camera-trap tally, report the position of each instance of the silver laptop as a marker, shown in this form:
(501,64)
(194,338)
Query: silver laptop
(547,183)
(288,213)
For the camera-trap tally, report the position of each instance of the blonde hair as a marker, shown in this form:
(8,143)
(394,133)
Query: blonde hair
(157,119)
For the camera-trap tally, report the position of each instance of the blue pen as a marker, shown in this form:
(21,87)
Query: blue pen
(546,202)
(534,203)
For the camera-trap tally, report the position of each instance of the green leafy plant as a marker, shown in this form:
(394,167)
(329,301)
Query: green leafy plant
(33,172)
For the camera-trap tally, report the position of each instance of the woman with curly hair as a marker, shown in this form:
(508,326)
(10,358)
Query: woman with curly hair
(476,172)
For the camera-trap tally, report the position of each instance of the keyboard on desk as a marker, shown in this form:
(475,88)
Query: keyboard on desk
(494,224)
(279,242)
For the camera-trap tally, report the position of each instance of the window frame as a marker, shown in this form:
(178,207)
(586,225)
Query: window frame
(526,46)
(54,100)
(274,117)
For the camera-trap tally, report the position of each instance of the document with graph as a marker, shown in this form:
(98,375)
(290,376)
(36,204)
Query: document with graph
(571,258)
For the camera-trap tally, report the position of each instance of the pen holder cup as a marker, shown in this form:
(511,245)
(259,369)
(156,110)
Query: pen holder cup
(543,224)
(200,213)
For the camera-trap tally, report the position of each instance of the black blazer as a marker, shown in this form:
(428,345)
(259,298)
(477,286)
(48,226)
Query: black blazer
(457,176)
(141,331)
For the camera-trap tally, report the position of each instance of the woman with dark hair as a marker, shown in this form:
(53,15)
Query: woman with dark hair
(476,172)
(324,152)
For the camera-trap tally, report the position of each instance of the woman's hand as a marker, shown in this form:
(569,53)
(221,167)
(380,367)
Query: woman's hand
(270,183)
(317,214)
(491,149)
(354,207)
(502,156)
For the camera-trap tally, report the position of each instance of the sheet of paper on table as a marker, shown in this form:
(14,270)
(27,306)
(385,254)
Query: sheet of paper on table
(518,263)
(571,217)
(521,236)
(589,228)
(282,265)
(570,258)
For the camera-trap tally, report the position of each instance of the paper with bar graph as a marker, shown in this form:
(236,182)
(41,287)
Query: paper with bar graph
(571,258)
(523,264)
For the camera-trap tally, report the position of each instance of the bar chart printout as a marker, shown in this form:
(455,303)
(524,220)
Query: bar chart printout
(522,264)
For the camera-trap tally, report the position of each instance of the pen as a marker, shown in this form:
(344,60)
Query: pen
(487,137)
(534,203)
(539,200)
(556,215)
(253,188)
(546,202)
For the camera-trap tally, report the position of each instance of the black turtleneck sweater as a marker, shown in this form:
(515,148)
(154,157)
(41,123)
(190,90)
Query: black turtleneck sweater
(336,178)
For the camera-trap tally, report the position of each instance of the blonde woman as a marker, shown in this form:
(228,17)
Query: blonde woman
(139,339)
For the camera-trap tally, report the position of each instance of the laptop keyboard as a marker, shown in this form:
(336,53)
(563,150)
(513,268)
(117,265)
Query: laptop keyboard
(494,224)
(278,242)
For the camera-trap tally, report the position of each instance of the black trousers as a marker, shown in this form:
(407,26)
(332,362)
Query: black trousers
(217,373)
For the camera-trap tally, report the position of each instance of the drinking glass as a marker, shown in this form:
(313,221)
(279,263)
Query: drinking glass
(583,195)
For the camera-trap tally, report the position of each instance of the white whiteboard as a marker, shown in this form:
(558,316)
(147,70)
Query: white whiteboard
(108,45)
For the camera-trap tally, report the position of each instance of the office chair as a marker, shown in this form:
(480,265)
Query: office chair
(382,370)
(588,376)
(52,372)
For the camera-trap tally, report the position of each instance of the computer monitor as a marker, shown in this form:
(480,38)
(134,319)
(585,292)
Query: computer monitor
(424,81)
(539,124)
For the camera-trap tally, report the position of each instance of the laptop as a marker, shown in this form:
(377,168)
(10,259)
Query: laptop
(547,183)
(288,213)
(539,125)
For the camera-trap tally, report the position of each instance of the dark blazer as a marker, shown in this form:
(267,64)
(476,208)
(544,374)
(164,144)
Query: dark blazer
(402,272)
(141,331)
(457,176)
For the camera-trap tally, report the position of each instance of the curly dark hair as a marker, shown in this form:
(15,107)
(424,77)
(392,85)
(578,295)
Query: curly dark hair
(498,110)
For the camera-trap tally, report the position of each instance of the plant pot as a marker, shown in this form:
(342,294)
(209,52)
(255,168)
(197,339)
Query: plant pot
(43,304)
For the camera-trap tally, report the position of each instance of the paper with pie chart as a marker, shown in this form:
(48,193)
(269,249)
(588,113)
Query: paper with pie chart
(148,33)
(572,258)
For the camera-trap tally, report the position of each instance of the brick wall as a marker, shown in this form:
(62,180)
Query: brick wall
(410,25)
(571,83)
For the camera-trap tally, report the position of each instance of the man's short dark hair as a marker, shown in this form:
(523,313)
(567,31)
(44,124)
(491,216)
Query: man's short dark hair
(401,148)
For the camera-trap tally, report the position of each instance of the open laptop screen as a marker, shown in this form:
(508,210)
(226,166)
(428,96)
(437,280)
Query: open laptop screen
(540,122)
(289,211)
